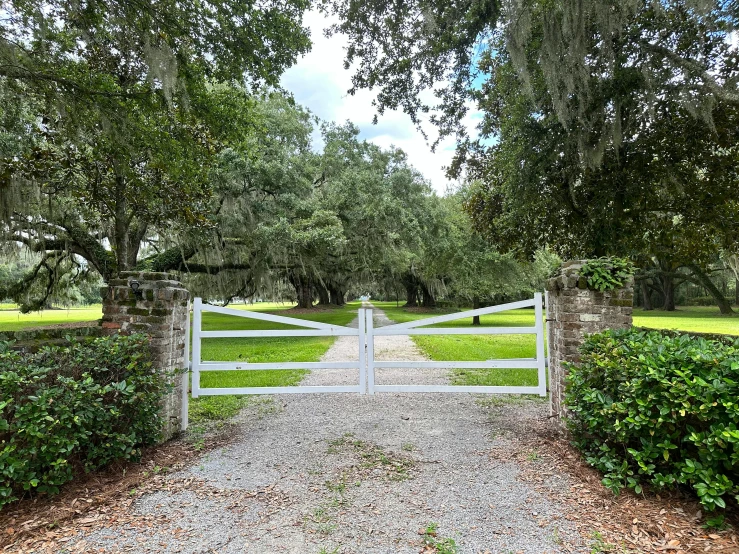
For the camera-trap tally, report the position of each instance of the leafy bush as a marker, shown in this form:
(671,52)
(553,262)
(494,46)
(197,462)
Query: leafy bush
(653,408)
(604,274)
(701,301)
(63,409)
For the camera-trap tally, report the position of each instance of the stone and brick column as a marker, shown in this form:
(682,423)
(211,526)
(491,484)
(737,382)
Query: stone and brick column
(574,311)
(159,308)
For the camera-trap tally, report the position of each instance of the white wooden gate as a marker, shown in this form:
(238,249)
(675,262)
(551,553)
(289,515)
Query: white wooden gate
(421,327)
(314,329)
(366,363)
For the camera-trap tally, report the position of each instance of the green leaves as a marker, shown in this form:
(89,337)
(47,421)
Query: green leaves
(84,405)
(657,410)
(603,274)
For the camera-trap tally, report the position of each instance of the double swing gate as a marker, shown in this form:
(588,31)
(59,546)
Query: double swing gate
(366,364)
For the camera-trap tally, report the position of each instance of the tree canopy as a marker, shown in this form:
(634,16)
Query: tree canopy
(606,128)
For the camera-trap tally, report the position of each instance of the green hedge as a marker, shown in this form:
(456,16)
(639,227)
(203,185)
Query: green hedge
(701,301)
(79,407)
(653,408)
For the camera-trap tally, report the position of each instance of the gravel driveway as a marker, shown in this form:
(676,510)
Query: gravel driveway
(354,474)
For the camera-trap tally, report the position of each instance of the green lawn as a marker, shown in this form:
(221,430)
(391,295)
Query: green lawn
(700,319)
(13,320)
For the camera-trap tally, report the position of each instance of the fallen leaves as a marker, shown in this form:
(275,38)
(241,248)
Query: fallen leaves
(39,524)
(668,523)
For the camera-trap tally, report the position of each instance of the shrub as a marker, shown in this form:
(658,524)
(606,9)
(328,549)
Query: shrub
(604,274)
(652,408)
(82,406)
(701,301)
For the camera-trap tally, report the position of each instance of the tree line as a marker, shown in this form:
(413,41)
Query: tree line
(156,137)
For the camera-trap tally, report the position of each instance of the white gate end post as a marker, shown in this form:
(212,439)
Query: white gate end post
(197,319)
(185,420)
(540,359)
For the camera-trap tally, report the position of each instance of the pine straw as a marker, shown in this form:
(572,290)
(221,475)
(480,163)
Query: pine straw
(649,523)
(45,524)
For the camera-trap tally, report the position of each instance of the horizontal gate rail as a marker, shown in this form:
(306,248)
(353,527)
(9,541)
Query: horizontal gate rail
(467,314)
(244,366)
(506,363)
(392,330)
(481,389)
(311,329)
(265,317)
(331,332)
(421,327)
(277,390)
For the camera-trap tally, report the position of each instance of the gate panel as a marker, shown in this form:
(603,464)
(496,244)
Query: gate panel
(315,329)
(417,328)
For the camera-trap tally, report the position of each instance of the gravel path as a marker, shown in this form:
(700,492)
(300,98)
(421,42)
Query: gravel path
(392,348)
(353,474)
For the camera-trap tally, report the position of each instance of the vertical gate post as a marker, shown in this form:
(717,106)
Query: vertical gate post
(540,360)
(155,304)
(370,353)
(574,311)
(362,348)
(197,327)
(186,379)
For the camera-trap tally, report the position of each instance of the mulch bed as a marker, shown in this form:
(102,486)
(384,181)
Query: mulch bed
(648,523)
(45,524)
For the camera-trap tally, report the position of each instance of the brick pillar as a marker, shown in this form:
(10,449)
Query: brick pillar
(574,311)
(159,309)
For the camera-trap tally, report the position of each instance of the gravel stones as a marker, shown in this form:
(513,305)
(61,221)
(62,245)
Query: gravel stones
(355,474)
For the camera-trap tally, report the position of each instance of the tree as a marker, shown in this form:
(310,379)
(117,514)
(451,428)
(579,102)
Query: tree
(604,125)
(118,124)
(405,49)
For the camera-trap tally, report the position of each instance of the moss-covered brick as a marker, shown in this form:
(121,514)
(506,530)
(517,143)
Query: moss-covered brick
(160,313)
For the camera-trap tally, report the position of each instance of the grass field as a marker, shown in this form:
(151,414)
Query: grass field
(699,319)
(13,320)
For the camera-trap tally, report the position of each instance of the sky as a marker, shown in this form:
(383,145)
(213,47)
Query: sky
(319,82)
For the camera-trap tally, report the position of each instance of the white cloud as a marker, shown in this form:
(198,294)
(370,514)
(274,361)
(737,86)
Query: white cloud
(319,82)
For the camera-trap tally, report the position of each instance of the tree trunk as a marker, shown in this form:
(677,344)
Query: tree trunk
(428,300)
(337,294)
(646,296)
(709,285)
(303,290)
(475,305)
(121,225)
(668,289)
(736,292)
(410,295)
(323,296)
